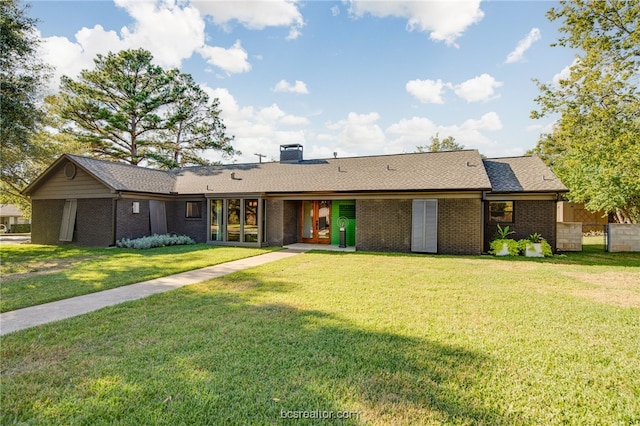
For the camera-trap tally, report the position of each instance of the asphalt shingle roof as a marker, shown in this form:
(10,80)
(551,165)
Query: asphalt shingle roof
(458,170)
(521,174)
(433,171)
(126,177)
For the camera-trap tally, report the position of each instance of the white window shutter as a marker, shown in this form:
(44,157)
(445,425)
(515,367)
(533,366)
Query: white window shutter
(424,226)
(68,220)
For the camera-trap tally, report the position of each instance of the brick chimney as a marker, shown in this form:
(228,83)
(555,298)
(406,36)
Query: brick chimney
(291,153)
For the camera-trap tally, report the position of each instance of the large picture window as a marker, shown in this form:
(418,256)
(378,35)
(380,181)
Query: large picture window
(501,211)
(234,220)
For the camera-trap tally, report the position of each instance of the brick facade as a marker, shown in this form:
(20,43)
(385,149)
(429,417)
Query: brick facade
(383,225)
(129,224)
(459,226)
(178,223)
(93,224)
(46,217)
(529,216)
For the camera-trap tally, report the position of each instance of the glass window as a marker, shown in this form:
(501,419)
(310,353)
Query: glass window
(251,221)
(194,209)
(501,211)
(217,219)
(233,220)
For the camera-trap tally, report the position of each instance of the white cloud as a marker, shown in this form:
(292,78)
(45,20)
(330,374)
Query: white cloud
(564,74)
(489,121)
(523,45)
(298,87)
(481,88)
(257,130)
(359,131)
(443,20)
(427,91)
(407,134)
(255,14)
(170,29)
(232,60)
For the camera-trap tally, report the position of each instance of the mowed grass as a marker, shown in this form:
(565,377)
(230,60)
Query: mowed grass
(379,338)
(35,274)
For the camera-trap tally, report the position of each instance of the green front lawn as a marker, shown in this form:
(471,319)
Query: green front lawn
(35,274)
(381,338)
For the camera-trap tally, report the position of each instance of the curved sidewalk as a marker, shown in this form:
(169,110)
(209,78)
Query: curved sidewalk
(67,308)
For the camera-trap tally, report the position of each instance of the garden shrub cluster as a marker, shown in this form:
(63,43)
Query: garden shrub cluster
(155,240)
(519,247)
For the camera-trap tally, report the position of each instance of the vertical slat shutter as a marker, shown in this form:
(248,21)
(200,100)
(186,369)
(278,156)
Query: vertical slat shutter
(68,220)
(157,217)
(424,226)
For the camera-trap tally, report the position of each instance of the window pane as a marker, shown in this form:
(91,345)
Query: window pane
(233,220)
(251,221)
(217,218)
(501,211)
(194,209)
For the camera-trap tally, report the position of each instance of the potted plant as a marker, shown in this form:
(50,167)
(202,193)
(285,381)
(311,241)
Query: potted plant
(535,246)
(502,245)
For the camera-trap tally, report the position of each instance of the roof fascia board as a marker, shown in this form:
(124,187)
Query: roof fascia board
(507,196)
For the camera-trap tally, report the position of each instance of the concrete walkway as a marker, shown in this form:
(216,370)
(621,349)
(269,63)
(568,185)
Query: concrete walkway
(67,308)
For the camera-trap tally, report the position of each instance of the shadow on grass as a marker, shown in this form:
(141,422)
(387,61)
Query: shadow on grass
(219,354)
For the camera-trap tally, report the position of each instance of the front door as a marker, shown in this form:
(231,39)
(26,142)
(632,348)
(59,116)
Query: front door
(316,222)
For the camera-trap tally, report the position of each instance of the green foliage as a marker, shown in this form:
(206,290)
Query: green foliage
(129,109)
(595,145)
(497,245)
(155,240)
(22,76)
(535,237)
(527,244)
(20,228)
(503,233)
(447,144)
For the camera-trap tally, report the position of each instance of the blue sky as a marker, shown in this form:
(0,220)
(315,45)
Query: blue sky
(352,77)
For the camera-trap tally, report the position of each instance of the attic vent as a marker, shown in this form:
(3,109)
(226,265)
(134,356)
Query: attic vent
(347,210)
(70,170)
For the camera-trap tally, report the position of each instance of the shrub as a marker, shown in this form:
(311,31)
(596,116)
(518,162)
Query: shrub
(155,240)
(20,228)
(546,247)
(512,246)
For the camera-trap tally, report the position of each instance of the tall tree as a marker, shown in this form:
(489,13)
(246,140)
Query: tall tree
(22,76)
(129,109)
(595,144)
(447,144)
(195,126)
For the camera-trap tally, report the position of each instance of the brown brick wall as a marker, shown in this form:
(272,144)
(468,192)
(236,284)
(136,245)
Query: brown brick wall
(383,225)
(282,222)
(93,226)
(130,225)
(196,228)
(291,222)
(459,226)
(529,216)
(94,222)
(46,216)
(274,211)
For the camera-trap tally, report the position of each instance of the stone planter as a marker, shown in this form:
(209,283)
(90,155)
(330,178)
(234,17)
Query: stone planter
(533,250)
(504,251)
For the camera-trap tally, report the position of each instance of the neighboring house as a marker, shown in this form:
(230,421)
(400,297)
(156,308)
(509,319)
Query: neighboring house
(441,202)
(11,215)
